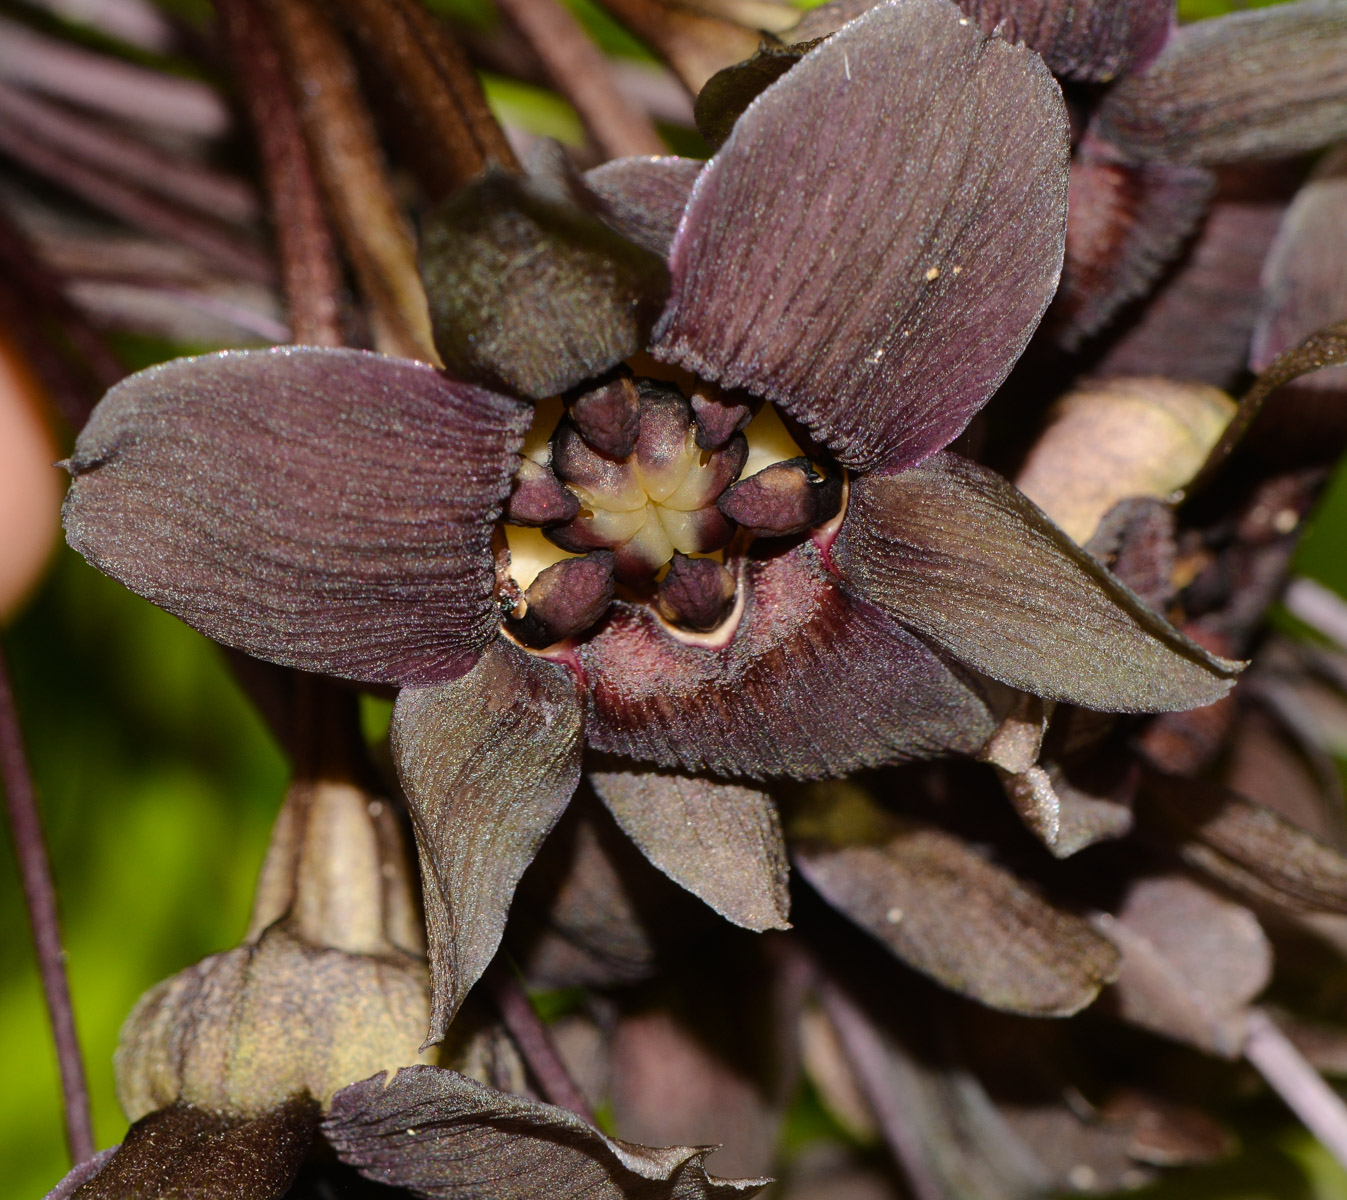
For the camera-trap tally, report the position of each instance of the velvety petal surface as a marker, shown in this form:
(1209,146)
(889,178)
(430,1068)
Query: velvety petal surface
(879,236)
(811,682)
(187,1152)
(959,554)
(1094,40)
(1305,275)
(325,509)
(489,763)
(643,198)
(722,841)
(950,913)
(531,292)
(81,1173)
(447,1137)
(1257,84)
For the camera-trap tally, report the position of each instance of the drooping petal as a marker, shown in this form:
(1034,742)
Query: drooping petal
(1096,40)
(186,1151)
(325,509)
(488,763)
(447,1137)
(953,550)
(1191,962)
(1258,84)
(812,682)
(880,235)
(951,914)
(643,198)
(722,841)
(530,292)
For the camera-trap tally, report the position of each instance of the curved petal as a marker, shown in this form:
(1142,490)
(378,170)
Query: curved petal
(325,509)
(489,763)
(1258,84)
(643,198)
(1095,40)
(722,841)
(880,235)
(813,682)
(953,550)
(447,1137)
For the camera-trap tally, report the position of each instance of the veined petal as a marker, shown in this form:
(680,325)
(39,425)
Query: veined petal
(447,1137)
(1257,84)
(812,682)
(1095,40)
(880,234)
(959,554)
(325,509)
(643,198)
(489,763)
(722,841)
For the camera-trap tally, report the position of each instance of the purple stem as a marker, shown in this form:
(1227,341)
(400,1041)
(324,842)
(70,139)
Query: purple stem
(39,893)
(535,1043)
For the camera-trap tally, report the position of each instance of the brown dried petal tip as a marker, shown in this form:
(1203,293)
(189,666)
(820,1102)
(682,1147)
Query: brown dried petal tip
(539,497)
(696,593)
(718,417)
(609,417)
(785,498)
(566,598)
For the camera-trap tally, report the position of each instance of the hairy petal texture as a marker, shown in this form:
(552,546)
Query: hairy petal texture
(880,235)
(489,763)
(643,198)
(722,841)
(325,509)
(1095,40)
(446,1137)
(813,682)
(967,923)
(186,1153)
(959,554)
(1255,84)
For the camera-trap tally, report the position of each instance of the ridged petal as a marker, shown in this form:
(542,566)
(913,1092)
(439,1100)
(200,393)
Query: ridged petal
(446,1137)
(325,509)
(813,682)
(722,841)
(1258,84)
(643,198)
(960,555)
(880,234)
(489,763)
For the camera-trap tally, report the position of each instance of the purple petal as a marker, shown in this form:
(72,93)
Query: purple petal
(324,509)
(488,763)
(813,682)
(1258,84)
(721,841)
(880,235)
(80,1174)
(186,1151)
(643,198)
(949,913)
(953,550)
(1095,40)
(447,1137)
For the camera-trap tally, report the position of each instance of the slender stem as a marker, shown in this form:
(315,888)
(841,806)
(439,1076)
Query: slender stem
(694,44)
(1319,607)
(39,893)
(583,75)
(535,1043)
(310,268)
(1306,1094)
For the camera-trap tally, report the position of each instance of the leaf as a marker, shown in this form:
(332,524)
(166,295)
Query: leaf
(489,763)
(957,553)
(446,1137)
(324,509)
(722,841)
(878,238)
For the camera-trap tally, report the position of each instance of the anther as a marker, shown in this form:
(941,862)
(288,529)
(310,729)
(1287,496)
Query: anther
(785,498)
(566,598)
(539,497)
(608,417)
(696,593)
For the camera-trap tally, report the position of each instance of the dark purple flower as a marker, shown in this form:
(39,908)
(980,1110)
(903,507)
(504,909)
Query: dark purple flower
(870,252)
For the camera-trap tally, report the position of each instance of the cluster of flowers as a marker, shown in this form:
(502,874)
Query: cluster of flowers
(690,542)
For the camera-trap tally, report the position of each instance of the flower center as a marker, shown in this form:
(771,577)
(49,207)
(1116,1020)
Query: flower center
(631,484)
